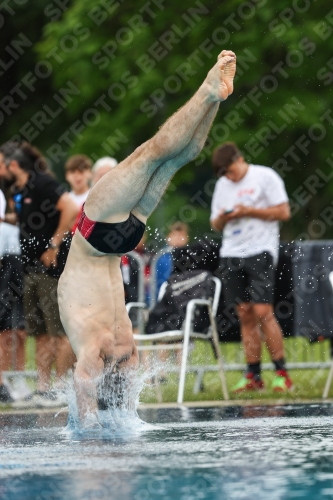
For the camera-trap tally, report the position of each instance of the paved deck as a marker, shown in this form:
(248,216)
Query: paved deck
(189,404)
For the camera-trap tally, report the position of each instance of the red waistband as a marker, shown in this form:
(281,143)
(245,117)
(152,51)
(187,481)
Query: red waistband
(85,225)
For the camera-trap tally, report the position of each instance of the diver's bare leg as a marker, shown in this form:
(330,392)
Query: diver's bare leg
(119,191)
(162,176)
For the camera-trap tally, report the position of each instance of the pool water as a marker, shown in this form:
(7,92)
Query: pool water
(280,452)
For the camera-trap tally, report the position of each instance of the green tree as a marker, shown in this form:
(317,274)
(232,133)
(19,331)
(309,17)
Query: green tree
(122,69)
(27,80)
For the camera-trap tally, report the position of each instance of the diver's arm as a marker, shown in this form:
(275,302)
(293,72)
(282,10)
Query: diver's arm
(86,376)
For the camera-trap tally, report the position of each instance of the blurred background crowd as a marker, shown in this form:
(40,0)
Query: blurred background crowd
(31,309)
(89,83)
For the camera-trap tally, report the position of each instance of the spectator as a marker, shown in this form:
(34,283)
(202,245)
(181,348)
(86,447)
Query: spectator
(178,237)
(45,216)
(102,167)
(7,213)
(130,269)
(78,175)
(248,203)
(12,332)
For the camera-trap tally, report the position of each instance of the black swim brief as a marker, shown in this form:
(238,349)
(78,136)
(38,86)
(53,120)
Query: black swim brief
(108,237)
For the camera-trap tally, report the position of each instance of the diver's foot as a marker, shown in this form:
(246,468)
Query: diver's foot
(219,81)
(230,69)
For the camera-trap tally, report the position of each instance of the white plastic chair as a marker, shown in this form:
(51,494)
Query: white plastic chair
(175,337)
(328,382)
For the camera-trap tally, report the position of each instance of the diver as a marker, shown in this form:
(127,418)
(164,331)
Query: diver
(113,220)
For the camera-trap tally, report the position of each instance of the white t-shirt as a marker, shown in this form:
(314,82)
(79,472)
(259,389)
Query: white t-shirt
(9,239)
(2,205)
(79,198)
(261,187)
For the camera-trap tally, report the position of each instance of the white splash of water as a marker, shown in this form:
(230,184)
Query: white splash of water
(118,398)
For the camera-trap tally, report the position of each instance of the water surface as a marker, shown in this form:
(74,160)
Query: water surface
(280,452)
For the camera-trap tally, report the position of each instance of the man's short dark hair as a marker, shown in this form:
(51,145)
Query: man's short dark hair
(223,157)
(78,162)
(27,156)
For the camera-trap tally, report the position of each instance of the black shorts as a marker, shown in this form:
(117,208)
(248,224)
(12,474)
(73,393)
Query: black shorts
(11,293)
(41,305)
(249,279)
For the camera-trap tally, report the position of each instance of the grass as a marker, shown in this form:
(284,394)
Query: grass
(308,384)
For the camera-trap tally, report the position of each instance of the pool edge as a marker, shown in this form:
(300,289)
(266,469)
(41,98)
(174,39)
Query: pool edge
(187,404)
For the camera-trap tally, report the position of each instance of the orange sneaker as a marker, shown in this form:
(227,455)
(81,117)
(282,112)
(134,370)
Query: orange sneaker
(249,383)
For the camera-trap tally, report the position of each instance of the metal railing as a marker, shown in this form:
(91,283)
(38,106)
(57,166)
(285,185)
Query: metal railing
(185,334)
(300,354)
(141,287)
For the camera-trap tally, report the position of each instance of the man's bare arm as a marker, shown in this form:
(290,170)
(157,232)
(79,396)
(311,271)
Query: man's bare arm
(11,218)
(278,212)
(219,222)
(68,212)
(87,372)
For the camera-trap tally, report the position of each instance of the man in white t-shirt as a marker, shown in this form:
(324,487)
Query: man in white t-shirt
(247,205)
(78,174)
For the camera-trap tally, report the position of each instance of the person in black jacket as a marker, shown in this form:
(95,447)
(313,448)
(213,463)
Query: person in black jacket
(45,215)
